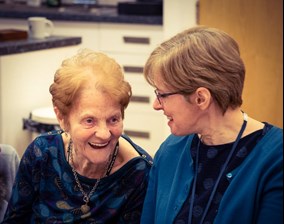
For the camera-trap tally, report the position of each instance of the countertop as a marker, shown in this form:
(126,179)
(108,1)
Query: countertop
(107,14)
(27,45)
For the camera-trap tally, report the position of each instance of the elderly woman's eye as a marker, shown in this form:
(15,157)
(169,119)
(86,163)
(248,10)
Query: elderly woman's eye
(115,119)
(89,120)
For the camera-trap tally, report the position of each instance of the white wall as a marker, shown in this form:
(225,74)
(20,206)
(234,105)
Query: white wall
(178,15)
(24,86)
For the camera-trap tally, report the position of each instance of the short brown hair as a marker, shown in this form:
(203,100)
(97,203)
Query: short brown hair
(200,57)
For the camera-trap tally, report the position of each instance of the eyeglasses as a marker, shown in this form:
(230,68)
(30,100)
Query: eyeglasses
(164,95)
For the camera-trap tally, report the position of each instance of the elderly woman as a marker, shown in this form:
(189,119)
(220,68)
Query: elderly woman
(219,165)
(89,172)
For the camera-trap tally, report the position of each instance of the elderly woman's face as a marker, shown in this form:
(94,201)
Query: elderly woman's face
(95,125)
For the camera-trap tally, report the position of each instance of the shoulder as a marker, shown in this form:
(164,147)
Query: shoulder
(136,149)
(273,138)
(173,140)
(131,157)
(48,138)
(269,150)
(9,163)
(46,143)
(174,151)
(275,132)
(8,153)
(175,145)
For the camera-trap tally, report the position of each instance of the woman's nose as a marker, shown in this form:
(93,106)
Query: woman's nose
(157,105)
(103,132)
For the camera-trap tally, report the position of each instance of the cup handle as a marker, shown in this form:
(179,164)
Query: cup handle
(50,27)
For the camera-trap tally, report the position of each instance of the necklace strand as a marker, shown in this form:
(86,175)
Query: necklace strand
(85,208)
(219,176)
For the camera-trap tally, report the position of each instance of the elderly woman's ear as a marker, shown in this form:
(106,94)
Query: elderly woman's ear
(60,118)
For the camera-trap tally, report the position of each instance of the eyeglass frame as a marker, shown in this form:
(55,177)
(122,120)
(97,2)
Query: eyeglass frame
(164,95)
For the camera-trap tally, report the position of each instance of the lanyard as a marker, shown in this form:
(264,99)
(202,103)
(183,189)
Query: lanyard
(219,177)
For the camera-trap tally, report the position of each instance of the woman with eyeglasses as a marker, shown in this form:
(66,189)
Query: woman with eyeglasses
(219,165)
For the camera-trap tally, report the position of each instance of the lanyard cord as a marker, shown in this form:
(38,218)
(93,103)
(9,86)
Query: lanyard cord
(219,177)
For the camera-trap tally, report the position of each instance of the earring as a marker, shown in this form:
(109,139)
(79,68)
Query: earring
(66,133)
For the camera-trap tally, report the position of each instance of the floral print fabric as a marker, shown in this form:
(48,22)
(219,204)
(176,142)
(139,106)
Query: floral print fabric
(45,190)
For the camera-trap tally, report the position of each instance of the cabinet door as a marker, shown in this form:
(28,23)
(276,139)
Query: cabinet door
(88,31)
(146,129)
(142,93)
(138,39)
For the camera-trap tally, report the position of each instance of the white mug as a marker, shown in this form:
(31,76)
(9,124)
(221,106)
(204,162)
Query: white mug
(39,27)
(34,3)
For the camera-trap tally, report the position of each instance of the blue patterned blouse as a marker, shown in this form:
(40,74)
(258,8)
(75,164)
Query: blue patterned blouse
(45,190)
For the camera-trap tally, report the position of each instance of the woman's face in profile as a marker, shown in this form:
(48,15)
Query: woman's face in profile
(95,125)
(182,115)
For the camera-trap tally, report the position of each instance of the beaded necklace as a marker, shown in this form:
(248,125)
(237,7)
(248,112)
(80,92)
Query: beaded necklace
(85,208)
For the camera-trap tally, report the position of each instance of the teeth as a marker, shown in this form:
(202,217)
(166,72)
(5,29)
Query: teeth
(99,145)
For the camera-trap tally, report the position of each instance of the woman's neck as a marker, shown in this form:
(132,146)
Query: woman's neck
(88,169)
(81,165)
(222,129)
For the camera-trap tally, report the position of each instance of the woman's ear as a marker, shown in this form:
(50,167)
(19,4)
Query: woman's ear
(59,117)
(202,97)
